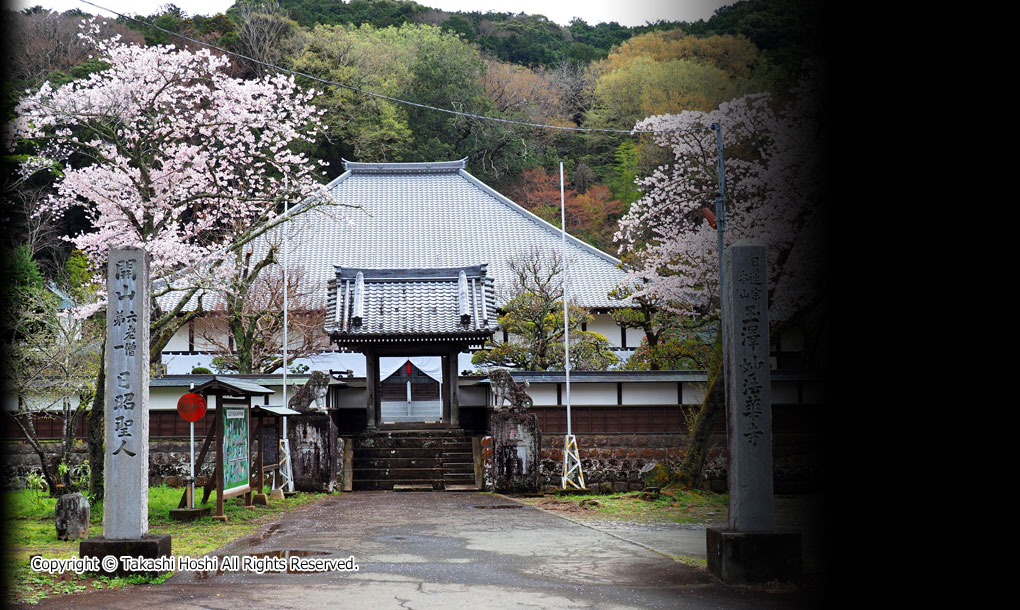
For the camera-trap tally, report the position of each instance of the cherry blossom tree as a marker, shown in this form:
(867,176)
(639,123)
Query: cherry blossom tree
(774,161)
(165,151)
(774,194)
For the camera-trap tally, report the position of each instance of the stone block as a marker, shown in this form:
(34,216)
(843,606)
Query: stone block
(149,546)
(73,513)
(516,440)
(739,558)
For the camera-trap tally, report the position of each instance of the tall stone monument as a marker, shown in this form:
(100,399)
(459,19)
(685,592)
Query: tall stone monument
(126,472)
(749,550)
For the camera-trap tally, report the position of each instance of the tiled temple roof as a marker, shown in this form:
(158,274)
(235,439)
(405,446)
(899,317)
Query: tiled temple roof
(430,215)
(384,305)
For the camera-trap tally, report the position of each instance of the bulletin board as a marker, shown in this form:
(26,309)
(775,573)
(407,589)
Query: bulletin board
(236,466)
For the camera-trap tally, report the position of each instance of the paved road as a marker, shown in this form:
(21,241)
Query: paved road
(442,550)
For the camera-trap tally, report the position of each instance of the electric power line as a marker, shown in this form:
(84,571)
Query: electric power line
(380,95)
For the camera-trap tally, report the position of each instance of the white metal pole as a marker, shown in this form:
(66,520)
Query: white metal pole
(284,449)
(566,323)
(286,213)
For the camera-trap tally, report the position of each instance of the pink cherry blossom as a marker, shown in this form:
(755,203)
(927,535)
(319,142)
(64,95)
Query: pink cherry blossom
(774,181)
(165,151)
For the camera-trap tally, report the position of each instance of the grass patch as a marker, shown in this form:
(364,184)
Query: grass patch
(30,530)
(694,562)
(672,506)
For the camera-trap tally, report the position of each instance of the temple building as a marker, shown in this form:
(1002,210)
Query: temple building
(408,272)
(422,216)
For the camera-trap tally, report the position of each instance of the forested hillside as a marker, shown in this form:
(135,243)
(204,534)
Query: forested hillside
(522,68)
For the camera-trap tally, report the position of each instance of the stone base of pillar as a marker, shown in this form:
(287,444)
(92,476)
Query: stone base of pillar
(739,558)
(149,546)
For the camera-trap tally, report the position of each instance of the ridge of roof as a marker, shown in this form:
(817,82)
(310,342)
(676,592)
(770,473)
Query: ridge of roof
(374,274)
(425,167)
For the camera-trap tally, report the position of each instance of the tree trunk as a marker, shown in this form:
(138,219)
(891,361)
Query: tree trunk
(652,338)
(95,435)
(697,450)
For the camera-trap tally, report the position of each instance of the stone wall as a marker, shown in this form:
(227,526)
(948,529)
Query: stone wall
(168,461)
(622,460)
(618,459)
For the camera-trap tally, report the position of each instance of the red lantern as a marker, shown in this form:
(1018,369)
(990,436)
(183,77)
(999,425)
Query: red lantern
(191,406)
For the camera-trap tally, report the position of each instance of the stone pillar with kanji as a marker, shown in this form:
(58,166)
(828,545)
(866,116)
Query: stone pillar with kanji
(126,472)
(750,549)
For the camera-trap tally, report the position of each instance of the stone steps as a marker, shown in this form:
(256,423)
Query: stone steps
(443,444)
(413,459)
(362,463)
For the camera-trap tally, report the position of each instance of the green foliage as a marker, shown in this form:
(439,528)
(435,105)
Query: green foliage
(529,40)
(77,476)
(21,270)
(536,344)
(377,13)
(36,484)
(621,184)
(221,365)
(533,319)
(78,277)
(786,31)
(200,370)
(445,72)
(24,296)
(668,72)
(421,63)
(678,348)
(31,531)
(671,341)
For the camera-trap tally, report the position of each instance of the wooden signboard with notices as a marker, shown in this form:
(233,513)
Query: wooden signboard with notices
(235,457)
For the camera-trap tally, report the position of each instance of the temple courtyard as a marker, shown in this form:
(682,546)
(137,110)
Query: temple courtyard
(452,550)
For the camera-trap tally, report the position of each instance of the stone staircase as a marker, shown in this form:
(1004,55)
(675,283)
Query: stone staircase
(413,460)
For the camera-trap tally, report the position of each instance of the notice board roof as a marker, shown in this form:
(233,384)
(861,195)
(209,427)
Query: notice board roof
(277,409)
(233,386)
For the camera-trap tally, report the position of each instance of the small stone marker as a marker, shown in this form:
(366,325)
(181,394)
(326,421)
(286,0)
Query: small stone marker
(73,513)
(749,550)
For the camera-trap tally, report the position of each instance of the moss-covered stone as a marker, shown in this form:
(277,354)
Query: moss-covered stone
(657,476)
